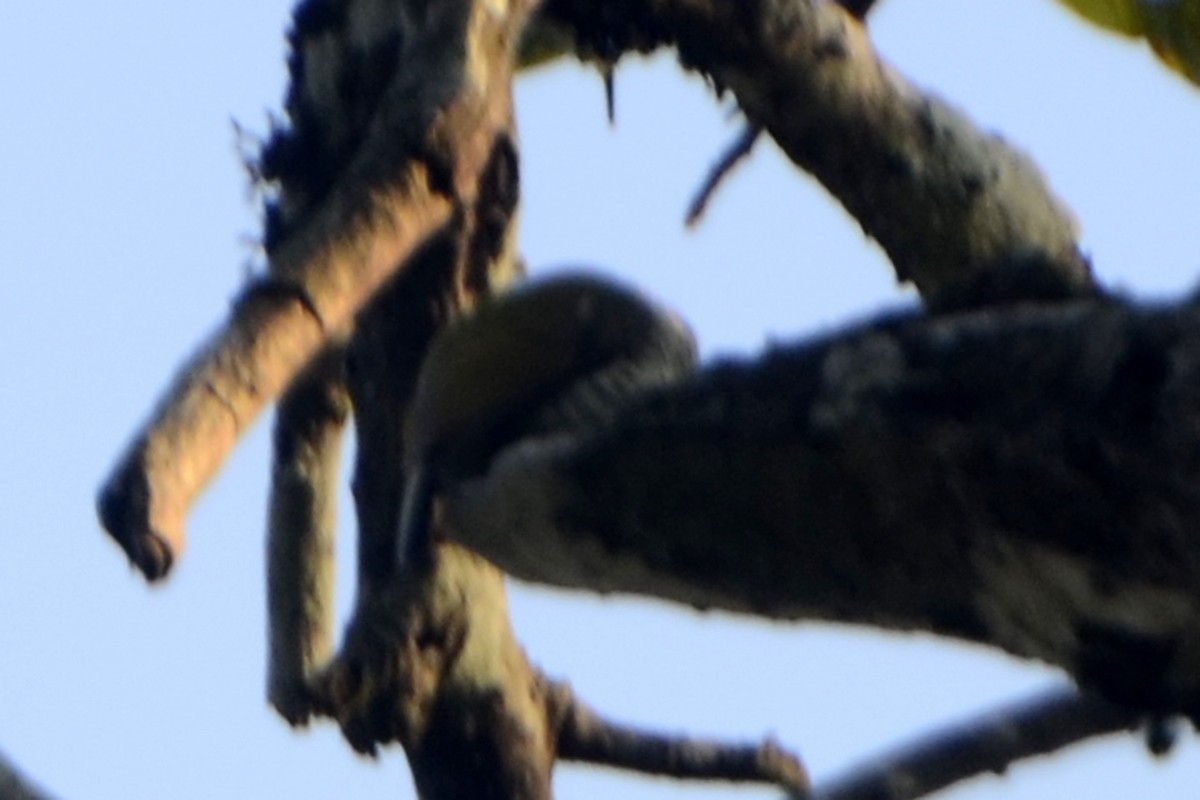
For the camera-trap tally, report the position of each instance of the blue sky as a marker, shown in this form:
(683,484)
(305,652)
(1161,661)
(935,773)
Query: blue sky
(127,229)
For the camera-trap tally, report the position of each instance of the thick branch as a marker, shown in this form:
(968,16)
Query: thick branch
(269,338)
(274,331)
(431,662)
(1025,478)
(416,158)
(710,493)
(951,205)
(397,179)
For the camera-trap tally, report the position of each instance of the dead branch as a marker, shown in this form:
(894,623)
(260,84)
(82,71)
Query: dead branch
(989,743)
(1023,477)
(893,446)
(585,736)
(269,337)
(332,245)
(395,204)
(429,660)
(950,205)
(301,532)
(274,331)
(733,155)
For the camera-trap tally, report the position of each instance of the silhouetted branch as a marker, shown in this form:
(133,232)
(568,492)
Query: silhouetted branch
(585,736)
(14,786)
(989,743)
(729,159)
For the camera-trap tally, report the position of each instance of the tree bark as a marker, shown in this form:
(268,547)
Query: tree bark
(990,743)
(1020,476)
(961,214)
(302,532)
(1024,478)
(335,237)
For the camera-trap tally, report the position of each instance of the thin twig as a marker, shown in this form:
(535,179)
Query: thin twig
(989,743)
(733,155)
(585,736)
(608,72)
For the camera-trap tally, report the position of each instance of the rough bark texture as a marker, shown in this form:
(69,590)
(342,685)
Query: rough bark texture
(429,660)
(268,339)
(413,164)
(961,214)
(1020,476)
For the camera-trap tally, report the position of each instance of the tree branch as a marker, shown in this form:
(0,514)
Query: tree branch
(1025,478)
(585,736)
(336,236)
(14,786)
(989,743)
(301,532)
(980,476)
(269,337)
(956,210)
(430,661)
(733,155)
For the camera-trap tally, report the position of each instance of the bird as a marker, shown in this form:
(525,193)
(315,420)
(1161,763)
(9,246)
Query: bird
(553,356)
(1172,27)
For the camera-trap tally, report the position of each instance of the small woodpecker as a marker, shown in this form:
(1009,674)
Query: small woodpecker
(551,356)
